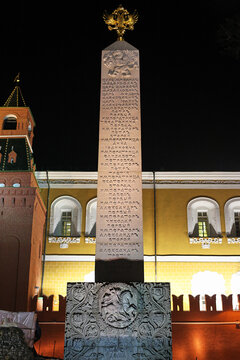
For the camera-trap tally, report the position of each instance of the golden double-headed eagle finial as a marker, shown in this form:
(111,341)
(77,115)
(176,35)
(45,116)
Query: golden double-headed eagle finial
(120,20)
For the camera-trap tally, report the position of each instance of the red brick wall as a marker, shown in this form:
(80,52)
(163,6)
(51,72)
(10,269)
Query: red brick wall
(22,218)
(201,335)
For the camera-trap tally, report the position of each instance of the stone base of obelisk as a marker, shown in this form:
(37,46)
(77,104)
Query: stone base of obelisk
(119,321)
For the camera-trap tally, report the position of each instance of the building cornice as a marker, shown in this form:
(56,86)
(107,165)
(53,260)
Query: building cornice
(159,258)
(82,179)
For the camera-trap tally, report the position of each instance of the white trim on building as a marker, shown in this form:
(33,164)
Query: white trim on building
(163,258)
(164,180)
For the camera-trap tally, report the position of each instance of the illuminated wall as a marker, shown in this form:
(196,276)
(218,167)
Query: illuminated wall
(177,258)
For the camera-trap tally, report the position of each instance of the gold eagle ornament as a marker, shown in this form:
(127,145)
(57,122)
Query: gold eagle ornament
(120,20)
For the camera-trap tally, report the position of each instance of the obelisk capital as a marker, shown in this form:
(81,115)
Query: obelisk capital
(120,20)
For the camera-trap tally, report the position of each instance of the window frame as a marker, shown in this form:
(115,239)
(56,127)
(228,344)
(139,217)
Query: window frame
(66,223)
(88,222)
(59,205)
(204,222)
(10,119)
(204,204)
(231,206)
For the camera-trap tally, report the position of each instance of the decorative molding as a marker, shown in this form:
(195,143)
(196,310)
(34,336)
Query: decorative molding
(90,240)
(63,241)
(194,180)
(19,136)
(233,241)
(205,242)
(151,258)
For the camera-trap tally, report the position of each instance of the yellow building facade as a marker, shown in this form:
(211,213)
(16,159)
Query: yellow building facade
(191,230)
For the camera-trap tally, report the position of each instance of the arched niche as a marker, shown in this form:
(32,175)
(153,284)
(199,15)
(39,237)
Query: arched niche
(231,208)
(10,122)
(204,205)
(59,207)
(91,218)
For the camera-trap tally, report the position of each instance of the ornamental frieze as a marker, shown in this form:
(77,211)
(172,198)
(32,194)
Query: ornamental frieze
(205,241)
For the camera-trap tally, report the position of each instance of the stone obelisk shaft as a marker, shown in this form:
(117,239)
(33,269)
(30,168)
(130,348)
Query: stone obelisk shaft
(119,238)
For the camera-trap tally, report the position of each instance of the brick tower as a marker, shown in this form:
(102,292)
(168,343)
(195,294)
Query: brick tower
(22,211)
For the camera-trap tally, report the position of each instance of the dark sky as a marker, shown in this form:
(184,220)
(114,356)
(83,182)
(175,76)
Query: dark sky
(190,92)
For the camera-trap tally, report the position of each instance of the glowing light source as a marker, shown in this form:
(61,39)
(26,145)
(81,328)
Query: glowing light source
(208,283)
(40,303)
(235,287)
(90,277)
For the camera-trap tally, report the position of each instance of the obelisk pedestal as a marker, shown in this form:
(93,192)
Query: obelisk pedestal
(118,321)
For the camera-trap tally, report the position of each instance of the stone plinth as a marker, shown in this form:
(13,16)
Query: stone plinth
(119,238)
(123,321)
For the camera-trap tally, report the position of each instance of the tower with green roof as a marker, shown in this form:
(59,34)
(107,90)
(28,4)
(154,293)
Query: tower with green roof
(16,132)
(22,212)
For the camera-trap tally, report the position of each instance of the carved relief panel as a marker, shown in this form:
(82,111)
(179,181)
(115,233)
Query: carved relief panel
(118,321)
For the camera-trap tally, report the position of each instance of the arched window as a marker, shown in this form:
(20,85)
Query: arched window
(232,217)
(10,122)
(66,217)
(208,283)
(203,218)
(91,217)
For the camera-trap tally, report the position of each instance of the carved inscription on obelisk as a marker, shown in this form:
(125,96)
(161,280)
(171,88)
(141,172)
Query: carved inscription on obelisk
(119,239)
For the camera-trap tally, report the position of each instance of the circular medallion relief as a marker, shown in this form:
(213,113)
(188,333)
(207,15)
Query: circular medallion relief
(118,304)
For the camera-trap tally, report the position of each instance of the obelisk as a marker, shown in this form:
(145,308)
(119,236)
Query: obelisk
(119,233)
(119,316)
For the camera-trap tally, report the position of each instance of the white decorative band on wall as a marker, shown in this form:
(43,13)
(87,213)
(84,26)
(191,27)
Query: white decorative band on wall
(77,258)
(164,180)
(162,258)
(90,240)
(233,240)
(63,240)
(205,242)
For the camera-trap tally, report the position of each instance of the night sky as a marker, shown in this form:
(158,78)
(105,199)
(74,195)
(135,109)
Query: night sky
(190,90)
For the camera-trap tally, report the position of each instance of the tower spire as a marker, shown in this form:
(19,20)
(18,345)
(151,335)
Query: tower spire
(16,98)
(17,79)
